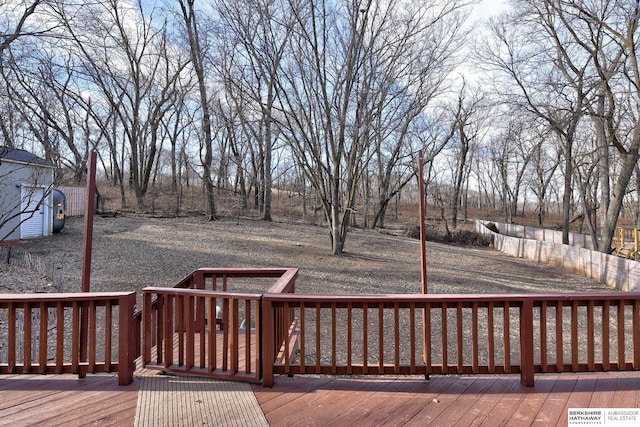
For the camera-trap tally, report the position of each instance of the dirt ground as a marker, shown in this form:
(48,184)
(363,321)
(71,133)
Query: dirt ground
(132,252)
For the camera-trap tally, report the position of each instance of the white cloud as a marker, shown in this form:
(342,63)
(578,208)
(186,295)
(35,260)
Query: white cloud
(488,8)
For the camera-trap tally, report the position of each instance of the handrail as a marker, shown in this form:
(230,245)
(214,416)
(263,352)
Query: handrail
(190,280)
(286,283)
(48,333)
(199,293)
(465,298)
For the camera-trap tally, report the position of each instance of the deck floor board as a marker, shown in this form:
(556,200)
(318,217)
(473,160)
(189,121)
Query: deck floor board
(484,400)
(487,400)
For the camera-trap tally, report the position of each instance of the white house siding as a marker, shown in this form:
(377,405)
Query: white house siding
(19,183)
(36,213)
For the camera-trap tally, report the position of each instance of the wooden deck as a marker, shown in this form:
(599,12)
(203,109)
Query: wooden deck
(443,401)
(54,400)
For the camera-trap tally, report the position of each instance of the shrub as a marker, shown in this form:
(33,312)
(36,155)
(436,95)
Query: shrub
(491,226)
(471,238)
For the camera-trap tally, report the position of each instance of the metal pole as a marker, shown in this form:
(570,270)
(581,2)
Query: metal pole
(89,212)
(423,234)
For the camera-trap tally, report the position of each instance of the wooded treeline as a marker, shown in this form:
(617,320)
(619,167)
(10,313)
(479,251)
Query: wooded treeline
(536,108)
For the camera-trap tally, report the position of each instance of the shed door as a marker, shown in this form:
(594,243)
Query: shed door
(32,212)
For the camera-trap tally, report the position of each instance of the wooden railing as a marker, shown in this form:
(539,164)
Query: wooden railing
(205,327)
(383,334)
(181,333)
(454,334)
(217,279)
(68,333)
(200,327)
(280,343)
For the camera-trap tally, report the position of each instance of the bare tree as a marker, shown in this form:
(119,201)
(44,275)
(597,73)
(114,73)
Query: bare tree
(257,37)
(513,149)
(15,15)
(587,175)
(45,90)
(466,126)
(545,159)
(344,59)
(533,58)
(612,31)
(24,28)
(197,54)
(592,69)
(120,50)
(237,144)
(398,92)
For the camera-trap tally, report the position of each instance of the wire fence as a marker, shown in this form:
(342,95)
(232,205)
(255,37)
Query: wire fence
(11,255)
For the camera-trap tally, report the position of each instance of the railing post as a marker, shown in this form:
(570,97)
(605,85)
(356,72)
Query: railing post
(137,326)
(234,324)
(126,340)
(258,340)
(268,336)
(526,343)
(198,280)
(199,283)
(146,327)
(636,334)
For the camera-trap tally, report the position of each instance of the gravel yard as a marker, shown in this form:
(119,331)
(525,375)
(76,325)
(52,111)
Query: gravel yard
(131,252)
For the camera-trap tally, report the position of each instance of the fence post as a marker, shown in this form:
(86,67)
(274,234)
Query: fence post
(126,339)
(268,338)
(526,343)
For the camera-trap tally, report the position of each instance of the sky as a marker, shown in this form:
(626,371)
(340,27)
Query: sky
(488,8)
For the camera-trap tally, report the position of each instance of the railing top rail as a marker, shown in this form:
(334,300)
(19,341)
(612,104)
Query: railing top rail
(465,298)
(245,272)
(285,282)
(257,272)
(201,293)
(79,296)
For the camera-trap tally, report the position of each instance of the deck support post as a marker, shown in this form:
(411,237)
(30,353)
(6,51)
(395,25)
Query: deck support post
(268,339)
(126,338)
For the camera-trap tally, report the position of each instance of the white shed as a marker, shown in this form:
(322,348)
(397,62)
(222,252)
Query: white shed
(26,183)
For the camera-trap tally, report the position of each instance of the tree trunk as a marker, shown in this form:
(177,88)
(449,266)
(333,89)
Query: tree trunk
(458,182)
(337,242)
(197,54)
(605,183)
(268,148)
(568,189)
(619,190)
